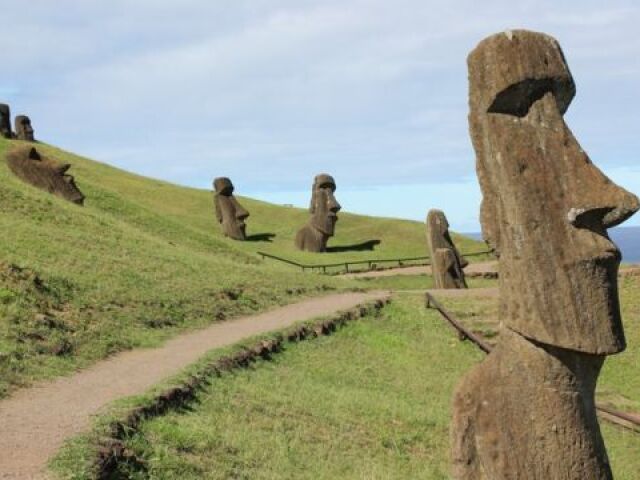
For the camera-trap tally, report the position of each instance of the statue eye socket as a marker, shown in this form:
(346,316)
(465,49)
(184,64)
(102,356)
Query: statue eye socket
(518,98)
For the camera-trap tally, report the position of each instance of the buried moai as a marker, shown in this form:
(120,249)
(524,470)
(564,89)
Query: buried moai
(230,214)
(5,121)
(446,261)
(44,173)
(23,128)
(527,411)
(324,210)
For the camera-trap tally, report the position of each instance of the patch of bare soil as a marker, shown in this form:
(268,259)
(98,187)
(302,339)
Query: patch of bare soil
(479,268)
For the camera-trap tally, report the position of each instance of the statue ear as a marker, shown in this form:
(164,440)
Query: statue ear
(216,201)
(489,220)
(312,205)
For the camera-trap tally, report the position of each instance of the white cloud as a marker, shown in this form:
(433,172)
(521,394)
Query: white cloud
(273,91)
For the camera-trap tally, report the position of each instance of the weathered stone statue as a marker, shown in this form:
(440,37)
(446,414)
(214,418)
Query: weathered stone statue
(24,130)
(229,212)
(324,210)
(5,121)
(44,173)
(528,411)
(446,261)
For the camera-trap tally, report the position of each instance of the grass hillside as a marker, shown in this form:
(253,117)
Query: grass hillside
(142,259)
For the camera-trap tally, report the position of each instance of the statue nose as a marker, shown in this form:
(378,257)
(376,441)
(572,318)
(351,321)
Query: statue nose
(334,206)
(609,205)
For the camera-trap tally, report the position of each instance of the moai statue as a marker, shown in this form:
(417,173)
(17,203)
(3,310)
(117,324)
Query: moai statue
(24,130)
(527,411)
(44,173)
(446,261)
(324,210)
(5,121)
(229,212)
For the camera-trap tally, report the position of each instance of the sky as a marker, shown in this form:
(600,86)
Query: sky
(272,92)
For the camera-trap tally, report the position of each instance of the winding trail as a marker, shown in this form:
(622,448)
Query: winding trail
(34,422)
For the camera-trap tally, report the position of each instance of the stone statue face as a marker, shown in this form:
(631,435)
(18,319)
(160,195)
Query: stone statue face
(24,130)
(438,224)
(546,207)
(324,206)
(5,120)
(229,212)
(44,173)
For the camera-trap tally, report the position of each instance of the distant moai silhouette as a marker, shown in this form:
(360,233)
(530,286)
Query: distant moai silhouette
(527,411)
(5,121)
(23,128)
(324,210)
(44,173)
(446,261)
(230,214)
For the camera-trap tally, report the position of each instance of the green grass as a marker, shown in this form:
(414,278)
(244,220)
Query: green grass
(371,401)
(141,261)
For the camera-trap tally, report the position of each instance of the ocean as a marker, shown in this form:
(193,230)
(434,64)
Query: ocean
(626,238)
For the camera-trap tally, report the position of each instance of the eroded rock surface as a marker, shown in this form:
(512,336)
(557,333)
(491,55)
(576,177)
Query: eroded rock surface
(324,208)
(230,214)
(527,412)
(44,173)
(446,267)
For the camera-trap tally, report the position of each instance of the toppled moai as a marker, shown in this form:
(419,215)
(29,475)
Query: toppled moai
(5,121)
(324,210)
(527,411)
(230,214)
(44,173)
(446,261)
(23,128)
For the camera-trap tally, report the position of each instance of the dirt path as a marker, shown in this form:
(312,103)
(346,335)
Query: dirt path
(36,421)
(479,267)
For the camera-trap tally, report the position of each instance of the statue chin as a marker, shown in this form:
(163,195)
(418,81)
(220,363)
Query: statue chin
(326,226)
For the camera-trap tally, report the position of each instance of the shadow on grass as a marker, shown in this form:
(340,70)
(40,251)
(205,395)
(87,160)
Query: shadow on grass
(369,245)
(260,237)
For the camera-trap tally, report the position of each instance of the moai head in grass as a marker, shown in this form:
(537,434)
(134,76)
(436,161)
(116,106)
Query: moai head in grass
(5,121)
(528,410)
(230,214)
(44,173)
(446,261)
(546,207)
(324,210)
(23,128)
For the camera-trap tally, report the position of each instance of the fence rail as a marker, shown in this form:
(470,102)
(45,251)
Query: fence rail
(370,263)
(622,419)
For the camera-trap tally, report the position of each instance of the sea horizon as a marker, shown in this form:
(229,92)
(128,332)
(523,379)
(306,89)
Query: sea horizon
(627,239)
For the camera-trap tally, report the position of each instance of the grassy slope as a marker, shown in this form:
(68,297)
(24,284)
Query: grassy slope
(141,260)
(372,401)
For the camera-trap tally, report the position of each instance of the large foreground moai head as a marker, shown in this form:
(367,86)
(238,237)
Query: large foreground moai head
(23,128)
(527,411)
(44,173)
(324,210)
(546,207)
(229,212)
(446,261)
(5,121)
